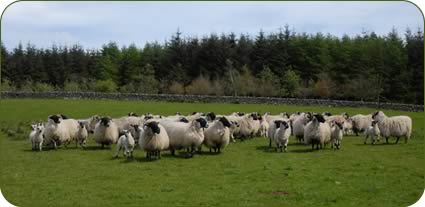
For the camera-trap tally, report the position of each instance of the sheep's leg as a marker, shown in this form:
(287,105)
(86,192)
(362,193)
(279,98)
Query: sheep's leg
(386,140)
(159,154)
(285,148)
(270,143)
(172,151)
(40,145)
(218,149)
(365,139)
(398,138)
(54,144)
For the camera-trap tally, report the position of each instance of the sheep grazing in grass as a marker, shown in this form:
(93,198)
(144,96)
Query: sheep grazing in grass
(317,132)
(217,135)
(281,136)
(126,144)
(60,131)
(372,132)
(360,123)
(106,132)
(36,136)
(298,125)
(185,135)
(82,134)
(337,131)
(396,126)
(153,139)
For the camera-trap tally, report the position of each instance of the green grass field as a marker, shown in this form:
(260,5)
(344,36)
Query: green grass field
(245,174)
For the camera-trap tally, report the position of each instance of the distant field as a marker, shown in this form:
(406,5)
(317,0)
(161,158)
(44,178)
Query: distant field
(245,174)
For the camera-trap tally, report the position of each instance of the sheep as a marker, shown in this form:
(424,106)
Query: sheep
(185,135)
(90,123)
(217,135)
(281,135)
(194,116)
(106,132)
(272,129)
(337,130)
(348,126)
(247,125)
(264,127)
(298,125)
(125,143)
(82,134)
(60,131)
(317,132)
(36,136)
(153,139)
(361,122)
(397,126)
(373,132)
(269,118)
(124,123)
(211,116)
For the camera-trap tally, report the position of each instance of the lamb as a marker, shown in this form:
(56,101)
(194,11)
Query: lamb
(82,134)
(106,132)
(348,127)
(153,139)
(264,127)
(373,132)
(185,135)
(36,136)
(361,123)
(397,126)
(337,130)
(281,136)
(317,132)
(60,131)
(217,136)
(298,125)
(90,123)
(126,144)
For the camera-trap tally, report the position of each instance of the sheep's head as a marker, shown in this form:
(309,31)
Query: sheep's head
(202,122)
(235,123)
(225,122)
(81,124)
(178,114)
(254,115)
(132,114)
(211,116)
(33,126)
(339,125)
(56,119)
(378,115)
(284,114)
(281,124)
(63,116)
(345,115)
(105,121)
(374,122)
(319,118)
(40,127)
(147,117)
(326,113)
(154,126)
(240,113)
(184,120)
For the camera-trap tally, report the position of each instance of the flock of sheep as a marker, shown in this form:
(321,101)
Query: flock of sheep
(156,133)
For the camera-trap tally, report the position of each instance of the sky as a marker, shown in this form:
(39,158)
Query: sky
(92,24)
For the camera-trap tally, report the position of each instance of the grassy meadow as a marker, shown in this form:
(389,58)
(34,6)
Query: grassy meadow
(246,173)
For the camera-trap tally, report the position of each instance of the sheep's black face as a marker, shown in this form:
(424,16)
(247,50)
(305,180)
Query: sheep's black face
(184,120)
(374,114)
(285,115)
(254,116)
(136,127)
(132,114)
(339,125)
(154,127)
(105,121)
(193,113)
(327,114)
(241,113)
(374,123)
(211,115)
(280,123)
(225,122)
(319,118)
(55,118)
(63,116)
(202,122)
(81,124)
(147,117)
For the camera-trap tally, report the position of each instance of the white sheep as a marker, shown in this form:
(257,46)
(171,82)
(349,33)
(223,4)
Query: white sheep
(396,126)
(60,131)
(264,127)
(337,131)
(272,129)
(153,139)
(126,144)
(36,136)
(185,135)
(106,132)
(90,123)
(361,122)
(82,134)
(317,132)
(281,136)
(217,135)
(298,125)
(372,132)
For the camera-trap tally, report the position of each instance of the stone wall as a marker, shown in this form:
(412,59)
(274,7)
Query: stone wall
(215,99)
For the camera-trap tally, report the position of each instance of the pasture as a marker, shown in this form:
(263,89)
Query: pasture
(246,173)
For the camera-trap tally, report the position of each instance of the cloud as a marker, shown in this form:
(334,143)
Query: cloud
(95,23)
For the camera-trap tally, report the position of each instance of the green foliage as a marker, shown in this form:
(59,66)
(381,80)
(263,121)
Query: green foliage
(105,86)
(6,85)
(71,86)
(43,87)
(290,83)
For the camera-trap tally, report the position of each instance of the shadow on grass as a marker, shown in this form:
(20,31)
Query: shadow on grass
(306,150)
(378,144)
(96,148)
(266,149)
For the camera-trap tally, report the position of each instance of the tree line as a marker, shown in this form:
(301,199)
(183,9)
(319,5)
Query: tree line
(283,63)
